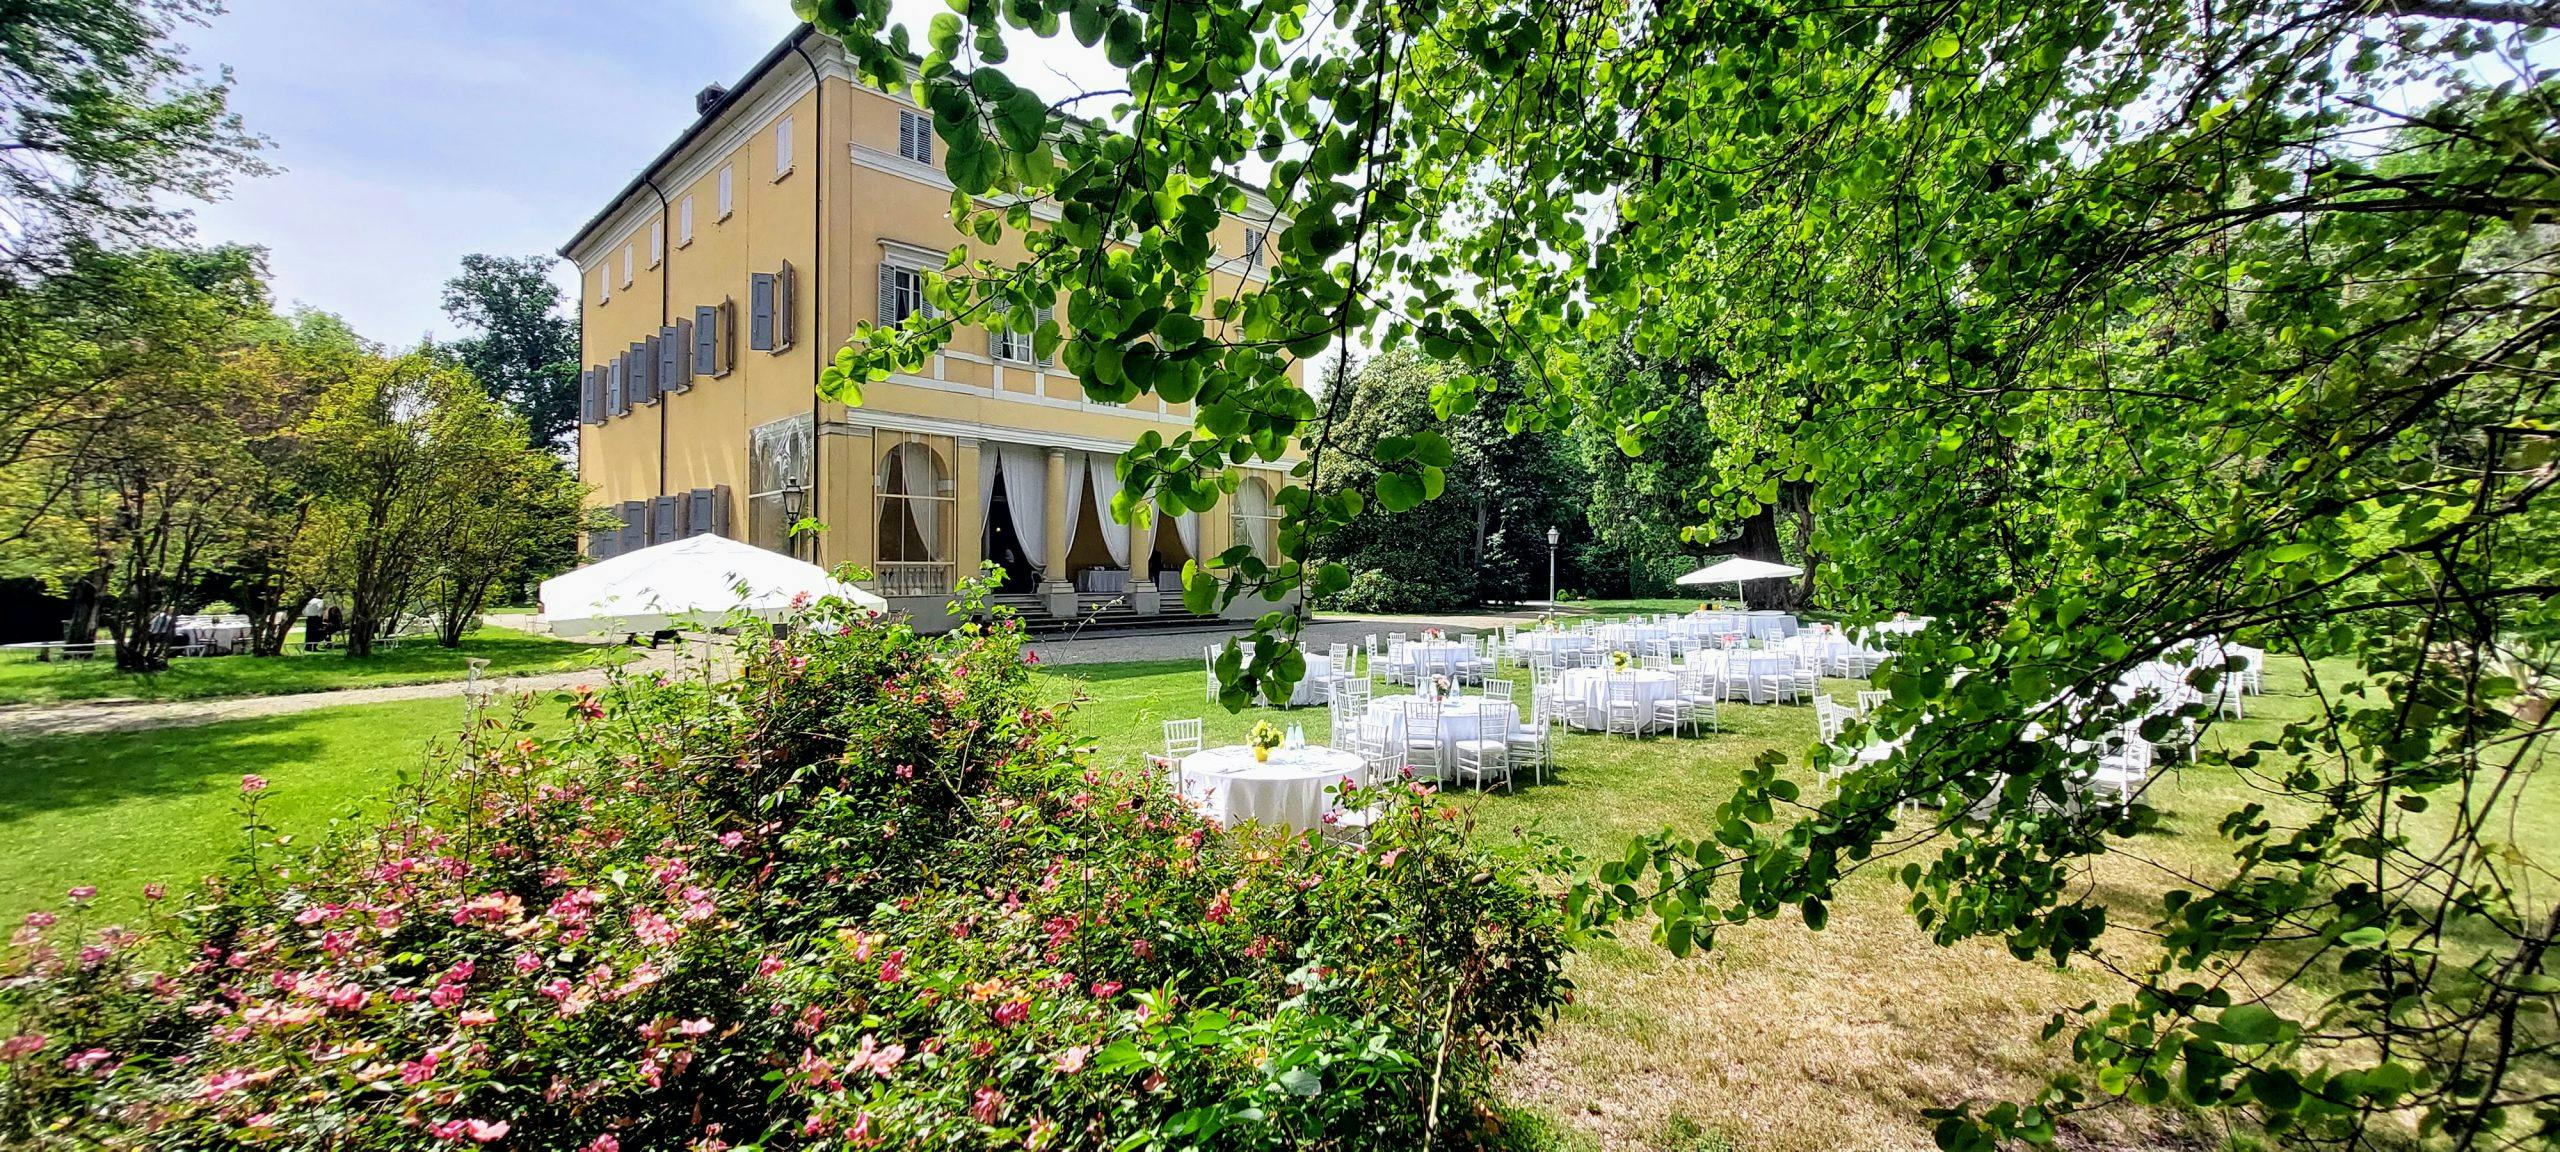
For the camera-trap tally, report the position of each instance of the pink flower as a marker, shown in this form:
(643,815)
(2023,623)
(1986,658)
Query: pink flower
(860,1133)
(1071,1061)
(252,784)
(1219,909)
(693,1027)
(20,1045)
(1012,1012)
(84,1061)
(604,1143)
(348,997)
(155,891)
(476,1017)
(82,893)
(1106,989)
(987,1105)
(869,1056)
(485,1131)
(40,919)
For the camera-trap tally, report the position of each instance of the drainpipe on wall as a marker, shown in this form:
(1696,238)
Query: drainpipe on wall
(666,275)
(817,277)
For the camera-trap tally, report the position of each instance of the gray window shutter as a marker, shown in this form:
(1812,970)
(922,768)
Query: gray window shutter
(719,510)
(1043,321)
(706,341)
(995,336)
(662,519)
(645,357)
(588,403)
(675,356)
(697,517)
(786,307)
(888,295)
(613,399)
(760,312)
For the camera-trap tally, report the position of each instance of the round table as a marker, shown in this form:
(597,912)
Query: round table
(1433,657)
(1551,643)
(1459,720)
(1589,687)
(218,637)
(1288,790)
(1303,693)
(1631,635)
(1742,665)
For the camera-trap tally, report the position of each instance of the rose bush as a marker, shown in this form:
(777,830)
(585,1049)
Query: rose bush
(868,892)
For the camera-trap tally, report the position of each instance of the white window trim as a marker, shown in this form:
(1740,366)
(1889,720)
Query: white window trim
(728,196)
(912,269)
(684,223)
(604,285)
(783,149)
(924,130)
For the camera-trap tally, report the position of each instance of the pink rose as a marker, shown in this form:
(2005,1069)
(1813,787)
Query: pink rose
(252,784)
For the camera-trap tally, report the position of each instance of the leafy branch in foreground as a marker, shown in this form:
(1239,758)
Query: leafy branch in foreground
(2093,329)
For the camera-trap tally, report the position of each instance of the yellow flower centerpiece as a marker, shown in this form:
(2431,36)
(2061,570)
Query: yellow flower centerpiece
(1618,661)
(1262,740)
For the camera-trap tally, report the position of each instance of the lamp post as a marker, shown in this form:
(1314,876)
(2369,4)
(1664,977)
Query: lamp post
(1553,537)
(792,498)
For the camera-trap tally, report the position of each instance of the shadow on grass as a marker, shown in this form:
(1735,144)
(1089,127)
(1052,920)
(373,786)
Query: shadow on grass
(63,774)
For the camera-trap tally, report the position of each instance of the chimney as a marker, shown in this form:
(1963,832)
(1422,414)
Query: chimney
(704,100)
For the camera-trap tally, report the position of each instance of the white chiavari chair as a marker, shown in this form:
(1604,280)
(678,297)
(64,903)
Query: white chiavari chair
(1487,754)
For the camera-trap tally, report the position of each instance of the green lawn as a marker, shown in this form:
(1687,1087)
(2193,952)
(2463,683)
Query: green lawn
(1782,1039)
(121,810)
(509,652)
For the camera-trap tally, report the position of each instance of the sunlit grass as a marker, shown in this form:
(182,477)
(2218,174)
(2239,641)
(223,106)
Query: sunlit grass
(509,651)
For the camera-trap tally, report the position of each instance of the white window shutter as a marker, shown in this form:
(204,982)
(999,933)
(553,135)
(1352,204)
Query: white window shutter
(782,148)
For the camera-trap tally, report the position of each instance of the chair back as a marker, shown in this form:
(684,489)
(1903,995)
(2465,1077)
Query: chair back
(1828,718)
(1496,688)
(1870,699)
(1355,691)
(1340,654)
(1657,663)
(1622,690)
(1422,720)
(1181,738)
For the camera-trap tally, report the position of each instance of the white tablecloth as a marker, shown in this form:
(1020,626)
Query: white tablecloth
(1738,664)
(1590,686)
(1111,580)
(1433,657)
(1459,720)
(1551,642)
(1303,693)
(219,637)
(1626,637)
(1289,790)
(1772,625)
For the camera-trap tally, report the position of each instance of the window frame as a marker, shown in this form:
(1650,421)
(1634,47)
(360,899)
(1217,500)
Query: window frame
(803,433)
(684,221)
(728,193)
(657,242)
(783,149)
(626,264)
(915,127)
(916,276)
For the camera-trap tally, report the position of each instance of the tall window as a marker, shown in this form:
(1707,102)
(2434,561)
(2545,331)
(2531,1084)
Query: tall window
(1255,521)
(657,243)
(901,293)
(782,149)
(915,500)
(626,265)
(727,201)
(780,460)
(684,222)
(1254,243)
(915,137)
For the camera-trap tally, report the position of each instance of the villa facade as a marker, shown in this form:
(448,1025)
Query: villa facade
(724,276)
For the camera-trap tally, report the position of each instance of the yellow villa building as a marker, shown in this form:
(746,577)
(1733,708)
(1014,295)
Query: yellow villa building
(725,275)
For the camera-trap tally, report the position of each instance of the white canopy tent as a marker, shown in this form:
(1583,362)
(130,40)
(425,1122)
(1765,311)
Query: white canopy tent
(1738,570)
(700,578)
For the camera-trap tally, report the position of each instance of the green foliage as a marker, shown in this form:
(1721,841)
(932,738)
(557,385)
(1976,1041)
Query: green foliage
(1481,536)
(102,125)
(866,893)
(523,348)
(2089,328)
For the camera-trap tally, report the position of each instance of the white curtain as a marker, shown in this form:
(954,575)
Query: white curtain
(1026,489)
(924,484)
(987,465)
(1076,468)
(1188,526)
(1106,487)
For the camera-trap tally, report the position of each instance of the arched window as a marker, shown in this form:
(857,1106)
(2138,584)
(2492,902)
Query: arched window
(915,500)
(1256,521)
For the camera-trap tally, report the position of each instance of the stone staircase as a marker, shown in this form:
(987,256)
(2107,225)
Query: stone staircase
(1103,614)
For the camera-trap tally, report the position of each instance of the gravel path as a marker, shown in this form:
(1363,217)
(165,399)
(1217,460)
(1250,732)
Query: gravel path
(80,717)
(24,721)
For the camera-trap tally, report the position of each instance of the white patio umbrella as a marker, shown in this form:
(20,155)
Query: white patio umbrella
(1737,570)
(701,577)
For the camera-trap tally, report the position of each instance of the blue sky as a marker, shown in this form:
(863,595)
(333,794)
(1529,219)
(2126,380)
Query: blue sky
(409,134)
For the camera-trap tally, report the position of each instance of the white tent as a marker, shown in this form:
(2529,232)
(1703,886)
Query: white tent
(1737,570)
(701,578)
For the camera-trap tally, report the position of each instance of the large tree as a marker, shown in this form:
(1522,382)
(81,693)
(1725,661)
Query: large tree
(2093,327)
(522,347)
(103,126)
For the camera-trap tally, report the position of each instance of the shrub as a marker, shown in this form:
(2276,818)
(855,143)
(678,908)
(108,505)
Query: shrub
(866,893)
